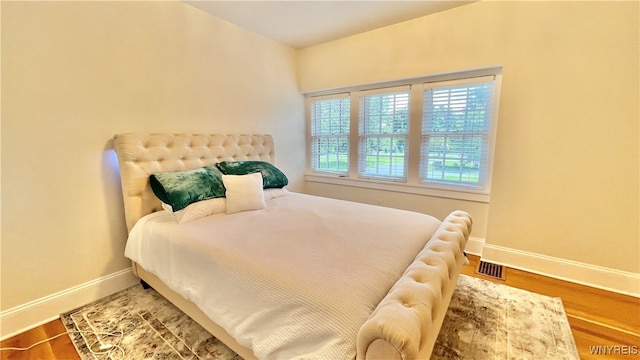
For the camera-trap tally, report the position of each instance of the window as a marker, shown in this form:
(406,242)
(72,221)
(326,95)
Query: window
(384,128)
(456,133)
(330,134)
(432,135)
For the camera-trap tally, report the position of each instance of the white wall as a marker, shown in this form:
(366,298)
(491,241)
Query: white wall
(76,73)
(565,182)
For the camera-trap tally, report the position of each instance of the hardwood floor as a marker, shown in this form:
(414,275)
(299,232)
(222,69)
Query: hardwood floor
(600,320)
(59,348)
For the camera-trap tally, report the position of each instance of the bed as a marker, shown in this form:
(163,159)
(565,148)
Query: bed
(297,277)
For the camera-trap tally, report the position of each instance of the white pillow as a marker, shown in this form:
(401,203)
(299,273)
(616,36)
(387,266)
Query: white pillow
(244,192)
(208,207)
(198,209)
(273,193)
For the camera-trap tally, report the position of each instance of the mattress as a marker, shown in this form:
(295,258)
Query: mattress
(294,280)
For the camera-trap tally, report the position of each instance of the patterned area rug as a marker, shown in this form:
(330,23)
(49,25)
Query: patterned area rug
(484,321)
(140,324)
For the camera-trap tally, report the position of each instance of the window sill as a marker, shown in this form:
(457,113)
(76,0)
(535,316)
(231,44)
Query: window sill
(398,187)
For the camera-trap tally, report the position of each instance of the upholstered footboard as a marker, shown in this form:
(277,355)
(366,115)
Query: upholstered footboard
(407,321)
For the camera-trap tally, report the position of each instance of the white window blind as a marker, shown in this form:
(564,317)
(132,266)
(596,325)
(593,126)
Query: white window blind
(431,135)
(383,134)
(330,118)
(456,132)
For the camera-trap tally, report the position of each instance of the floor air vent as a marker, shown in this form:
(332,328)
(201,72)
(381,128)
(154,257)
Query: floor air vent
(489,269)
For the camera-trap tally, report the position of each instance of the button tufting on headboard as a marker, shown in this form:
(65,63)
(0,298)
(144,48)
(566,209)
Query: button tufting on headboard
(141,155)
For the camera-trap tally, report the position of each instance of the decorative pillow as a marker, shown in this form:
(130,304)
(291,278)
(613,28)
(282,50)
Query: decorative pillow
(198,209)
(272,177)
(244,192)
(181,188)
(204,208)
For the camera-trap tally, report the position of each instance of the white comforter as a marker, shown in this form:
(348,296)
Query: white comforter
(294,280)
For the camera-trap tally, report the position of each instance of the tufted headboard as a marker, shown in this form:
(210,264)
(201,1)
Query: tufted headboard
(140,155)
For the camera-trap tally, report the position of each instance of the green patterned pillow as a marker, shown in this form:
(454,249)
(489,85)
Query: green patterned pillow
(272,177)
(181,188)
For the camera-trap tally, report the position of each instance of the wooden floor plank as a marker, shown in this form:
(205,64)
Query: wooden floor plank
(59,348)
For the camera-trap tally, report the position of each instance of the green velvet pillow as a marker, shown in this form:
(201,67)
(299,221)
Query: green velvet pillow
(181,188)
(272,177)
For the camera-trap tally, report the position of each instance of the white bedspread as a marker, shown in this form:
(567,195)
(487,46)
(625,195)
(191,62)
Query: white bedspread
(294,280)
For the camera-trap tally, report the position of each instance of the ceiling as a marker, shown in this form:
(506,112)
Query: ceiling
(300,23)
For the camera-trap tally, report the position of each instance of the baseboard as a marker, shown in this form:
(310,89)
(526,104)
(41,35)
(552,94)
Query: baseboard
(35,313)
(474,246)
(618,281)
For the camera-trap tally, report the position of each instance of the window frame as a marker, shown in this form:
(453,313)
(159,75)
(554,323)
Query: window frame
(412,182)
(312,136)
(485,168)
(364,135)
